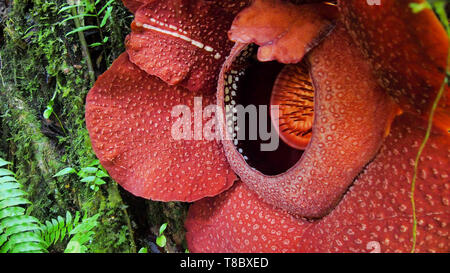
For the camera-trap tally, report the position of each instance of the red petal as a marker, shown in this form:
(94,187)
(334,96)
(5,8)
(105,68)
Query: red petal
(352,115)
(239,221)
(284,31)
(375,215)
(128,115)
(181,42)
(407,51)
(377,209)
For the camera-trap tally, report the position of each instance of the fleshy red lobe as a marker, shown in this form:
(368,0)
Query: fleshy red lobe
(352,116)
(239,221)
(407,51)
(182,42)
(284,31)
(128,115)
(374,216)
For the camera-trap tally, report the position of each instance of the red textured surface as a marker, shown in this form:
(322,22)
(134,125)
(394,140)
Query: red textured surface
(378,207)
(128,115)
(352,115)
(293,93)
(176,60)
(238,221)
(284,31)
(374,215)
(230,6)
(407,51)
(133,5)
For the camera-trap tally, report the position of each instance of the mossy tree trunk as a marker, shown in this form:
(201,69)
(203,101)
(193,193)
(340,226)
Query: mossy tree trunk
(38,63)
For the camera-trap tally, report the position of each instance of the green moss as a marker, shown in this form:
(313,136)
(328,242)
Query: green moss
(40,60)
(37,61)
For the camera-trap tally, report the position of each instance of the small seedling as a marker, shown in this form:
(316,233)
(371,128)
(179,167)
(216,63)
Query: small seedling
(143,250)
(92,175)
(84,9)
(50,111)
(161,239)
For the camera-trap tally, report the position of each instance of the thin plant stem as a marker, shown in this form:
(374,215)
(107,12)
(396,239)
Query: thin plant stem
(84,47)
(419,154)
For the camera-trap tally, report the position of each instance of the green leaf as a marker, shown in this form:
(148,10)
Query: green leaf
(418,7)
(65,172)
(11,211)
(77,218)
(9,185)
(22,228)
(5,247)
(29,34)
(18,220)
(57,230)
(10,202)
(89,169)
(11,193)
(99,181)
(68,8)
(143,250)
(3,239)
(81,29)
(162,228)
(7,179)
(48,112)
(161,241)
(51,232)
(89,6)
(73,247)
(101,174)
(94,162)
(29,247)
(88,179)
(86,225)
(69,222)
(4,162)
(95,44)
(4,172)
(24,237)
(105,6)
(106,17)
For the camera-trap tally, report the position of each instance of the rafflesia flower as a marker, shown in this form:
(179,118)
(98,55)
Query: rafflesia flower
(351,88)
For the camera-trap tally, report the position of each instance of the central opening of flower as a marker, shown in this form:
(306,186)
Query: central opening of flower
(268,97)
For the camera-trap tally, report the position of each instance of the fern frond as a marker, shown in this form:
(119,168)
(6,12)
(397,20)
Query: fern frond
(58,229)
(75,17)
(104,7)
(80,29)
(69,7)
(18,232)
